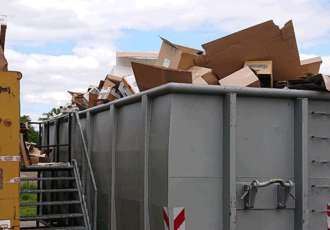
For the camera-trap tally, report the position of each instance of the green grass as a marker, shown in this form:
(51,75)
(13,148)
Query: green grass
(28,198)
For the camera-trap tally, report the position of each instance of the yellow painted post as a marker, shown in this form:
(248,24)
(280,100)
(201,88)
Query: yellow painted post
(9,150)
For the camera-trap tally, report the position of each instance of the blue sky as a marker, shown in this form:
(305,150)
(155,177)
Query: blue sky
(62,45)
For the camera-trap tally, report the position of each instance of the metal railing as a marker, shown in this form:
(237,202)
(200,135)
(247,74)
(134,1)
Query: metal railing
(91,174)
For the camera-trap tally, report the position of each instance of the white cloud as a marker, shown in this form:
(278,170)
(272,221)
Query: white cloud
(95,26)
(91,22)
(46,79)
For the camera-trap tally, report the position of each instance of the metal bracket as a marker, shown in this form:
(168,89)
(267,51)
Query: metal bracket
(325,210)
(319,113)
(283,192)
(322,161)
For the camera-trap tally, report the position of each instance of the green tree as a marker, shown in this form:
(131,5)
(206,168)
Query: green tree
(50,114)
(32,134)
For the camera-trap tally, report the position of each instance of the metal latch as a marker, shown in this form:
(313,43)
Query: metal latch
(283,192)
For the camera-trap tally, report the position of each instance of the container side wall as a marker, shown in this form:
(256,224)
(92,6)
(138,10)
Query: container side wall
(318,172)
(101,164)
(195,160)
(265,150)
(158,159)
(128,173)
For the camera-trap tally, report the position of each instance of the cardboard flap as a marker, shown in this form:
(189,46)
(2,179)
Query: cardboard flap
(150,76)
(169,43)
(182,48)
(311,60)
(136,54)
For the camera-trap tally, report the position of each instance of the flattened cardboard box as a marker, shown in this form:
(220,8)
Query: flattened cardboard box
(243,77)
(206,74)
(130,83)
(261,42)
(311,65)
(175,56)
(264,71)
(115,79)
(320,82)
(149,76)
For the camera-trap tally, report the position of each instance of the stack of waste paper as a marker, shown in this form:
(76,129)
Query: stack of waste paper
(263,56)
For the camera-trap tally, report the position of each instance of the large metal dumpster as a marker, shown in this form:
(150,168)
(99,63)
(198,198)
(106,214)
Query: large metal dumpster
(208,157)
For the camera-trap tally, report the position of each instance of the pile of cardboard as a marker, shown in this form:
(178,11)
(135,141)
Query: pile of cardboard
(260,56)
(30,155)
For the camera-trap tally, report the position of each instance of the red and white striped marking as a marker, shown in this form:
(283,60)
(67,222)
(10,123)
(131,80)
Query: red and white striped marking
(328,216)
(166,218)
(179,218)
(10,158)
(14,180)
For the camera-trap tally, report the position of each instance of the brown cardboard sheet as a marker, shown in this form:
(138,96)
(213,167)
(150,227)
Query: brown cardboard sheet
(243,77)
(149,76)
(262,42)
(320,82)
(206,74)
(311,65)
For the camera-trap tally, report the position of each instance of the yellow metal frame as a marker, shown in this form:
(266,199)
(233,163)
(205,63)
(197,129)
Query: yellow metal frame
(9,148)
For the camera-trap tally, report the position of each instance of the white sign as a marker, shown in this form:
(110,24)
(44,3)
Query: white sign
(166,63)
(5,224)
(3,20)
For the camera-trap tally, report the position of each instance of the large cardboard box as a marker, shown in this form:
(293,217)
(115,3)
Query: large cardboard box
(243,77)
(175,56)
(92,99)
(311,66)
(39,159)
(206,74)
(263,42)
(109,94)
(264,70)
(77,97)
(149,76)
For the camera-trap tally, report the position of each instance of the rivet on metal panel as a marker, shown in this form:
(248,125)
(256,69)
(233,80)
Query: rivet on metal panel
(8,122)
(4,89)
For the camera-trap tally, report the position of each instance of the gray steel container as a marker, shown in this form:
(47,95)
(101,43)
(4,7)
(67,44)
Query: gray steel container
(200,148)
